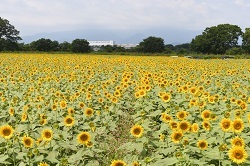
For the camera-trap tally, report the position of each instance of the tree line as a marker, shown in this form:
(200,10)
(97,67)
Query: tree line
(220,39)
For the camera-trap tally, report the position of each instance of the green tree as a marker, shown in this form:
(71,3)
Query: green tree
(65,46)
(80,46)
(8,31)
(217,39)
(152,45)
(246,40)
(42,44)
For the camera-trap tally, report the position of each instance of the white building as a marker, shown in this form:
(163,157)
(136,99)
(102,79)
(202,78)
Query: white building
(101,43)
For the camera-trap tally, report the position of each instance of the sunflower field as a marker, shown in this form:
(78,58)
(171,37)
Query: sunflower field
(65,109)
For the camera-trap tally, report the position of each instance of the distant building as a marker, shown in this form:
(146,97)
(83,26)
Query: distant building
(127,46)
(96,45)
(101,43)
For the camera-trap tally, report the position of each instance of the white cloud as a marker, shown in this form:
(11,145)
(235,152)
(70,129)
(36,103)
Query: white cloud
(33,16)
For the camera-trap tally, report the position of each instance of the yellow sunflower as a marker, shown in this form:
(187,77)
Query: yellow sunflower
(11,111)
(83,138)
(184,126)
(202,144)
(237,154)
(47,134)
(28,142)
(174,125)
(69,121)
(88,112)
(206,125)
(237,141)
(166,97)
(137,131)
(43,164)
(6,131)
(118,163)
(135,163)
(181,115)
(238,125)
(176,136)
(195,128)
(166,117)
(225,124)
(63,104)
(205,115)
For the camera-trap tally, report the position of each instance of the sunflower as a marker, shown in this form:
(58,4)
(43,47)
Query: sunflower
(11,111)
(118,163)
(24,117)
(63,104)
(205,115)
(237,125)
(69,121)
(195,128)
(6,131)
(225,124)
(166,97)
(81,104)
(237,154)
(43,164)
(71,111)
(83,138)
(237,141)
(89,112)
(47,134)
(135,163)
(184,126)
(166,117)
(202,144)
(176,136)
(193,90)
(27,141)
(182,115)
(137,131)
(174,125)
(206,125)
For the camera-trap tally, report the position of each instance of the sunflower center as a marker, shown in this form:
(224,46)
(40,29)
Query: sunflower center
(183,126)
(137,131)
(178,136)
(27,142)
(202,144)
(69,120)
(84,137)
(47,134)
(237,126)
(226,125)
(6,132)
(238,143)
(238,155)
(119,164)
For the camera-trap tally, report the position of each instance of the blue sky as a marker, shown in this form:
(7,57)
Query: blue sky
(36,16)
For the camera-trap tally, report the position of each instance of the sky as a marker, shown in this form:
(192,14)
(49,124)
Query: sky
(38,16)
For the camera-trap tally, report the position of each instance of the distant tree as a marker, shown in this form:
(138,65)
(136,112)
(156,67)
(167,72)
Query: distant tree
(8,31)
(246,40)
(42,44)
(8,36)
(80,46)
(65,46)
(217,39)
(235,51)
(182,48)
(54,46)
(152,45)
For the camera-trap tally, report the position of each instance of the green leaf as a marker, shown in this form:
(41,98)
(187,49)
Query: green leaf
(3,158)
(52,157)
(166,161)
